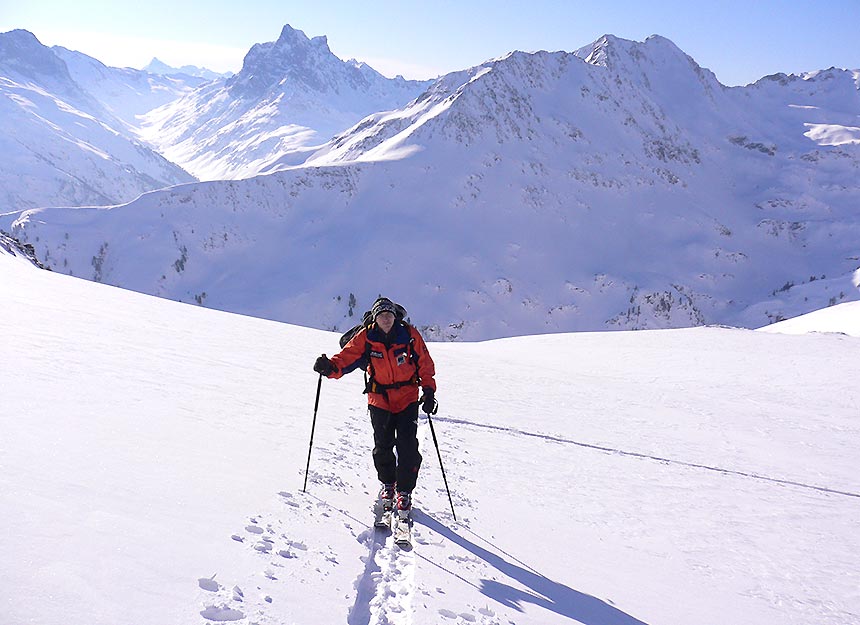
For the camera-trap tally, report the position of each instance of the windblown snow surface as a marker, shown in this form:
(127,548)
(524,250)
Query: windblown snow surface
(153,455)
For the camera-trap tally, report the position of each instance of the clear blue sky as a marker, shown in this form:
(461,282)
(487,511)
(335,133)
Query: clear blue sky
(740,41)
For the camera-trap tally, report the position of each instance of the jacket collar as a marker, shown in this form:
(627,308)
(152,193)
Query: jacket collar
(399,334)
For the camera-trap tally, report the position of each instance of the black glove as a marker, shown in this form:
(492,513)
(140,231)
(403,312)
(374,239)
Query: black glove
(428,401)
(324,366)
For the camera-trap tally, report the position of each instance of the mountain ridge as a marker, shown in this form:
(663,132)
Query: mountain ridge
(291,95)
(157,66)
(565,196)
(61,145)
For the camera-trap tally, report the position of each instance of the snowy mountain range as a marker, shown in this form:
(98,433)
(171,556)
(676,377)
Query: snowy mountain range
(64,144)
(617,187)
(79,133)
(291,96)
(154,455)
(156,66)
(125,93)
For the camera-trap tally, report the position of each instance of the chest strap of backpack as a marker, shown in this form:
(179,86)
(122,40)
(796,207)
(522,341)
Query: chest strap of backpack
(372,386)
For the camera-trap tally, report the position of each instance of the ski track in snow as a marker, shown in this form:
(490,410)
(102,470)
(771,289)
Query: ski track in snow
(620,452)
(307,535)
(289,550)
(386,588)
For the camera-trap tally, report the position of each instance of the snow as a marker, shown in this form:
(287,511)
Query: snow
(62,145)
(126,93)
(842,318)
(833,134)
(153,455)
(617,187)
(156,66)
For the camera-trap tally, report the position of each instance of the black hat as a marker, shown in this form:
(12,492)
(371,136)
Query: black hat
(383,304)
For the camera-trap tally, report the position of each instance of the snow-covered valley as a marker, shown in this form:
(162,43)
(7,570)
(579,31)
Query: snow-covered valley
(153,456)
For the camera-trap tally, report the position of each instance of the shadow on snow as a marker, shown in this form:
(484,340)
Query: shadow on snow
(545,592)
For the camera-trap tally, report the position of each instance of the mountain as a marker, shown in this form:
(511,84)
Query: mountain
(154,455)
(60,144)
(22,56)
(156,66)
(291,95)
(126,93)
(617,187)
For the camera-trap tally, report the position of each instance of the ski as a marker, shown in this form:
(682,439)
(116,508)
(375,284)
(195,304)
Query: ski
(386,516)
(382,513)
(402,530)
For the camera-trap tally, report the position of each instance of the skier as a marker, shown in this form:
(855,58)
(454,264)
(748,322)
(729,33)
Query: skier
(398,363)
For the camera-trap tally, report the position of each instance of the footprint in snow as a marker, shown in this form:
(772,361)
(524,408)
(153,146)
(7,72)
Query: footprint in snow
(466,616)
(288,499)
(221,614)
(209,583)
(264,546)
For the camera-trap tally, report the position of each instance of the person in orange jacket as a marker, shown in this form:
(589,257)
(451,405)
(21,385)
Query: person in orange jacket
(398,364)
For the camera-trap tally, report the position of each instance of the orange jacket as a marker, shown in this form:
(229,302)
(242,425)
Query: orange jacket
(397,368)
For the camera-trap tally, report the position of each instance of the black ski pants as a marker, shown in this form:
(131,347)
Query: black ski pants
(396,430)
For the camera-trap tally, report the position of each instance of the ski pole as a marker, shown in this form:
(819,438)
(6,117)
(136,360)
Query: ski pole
(439,453)
(313,427)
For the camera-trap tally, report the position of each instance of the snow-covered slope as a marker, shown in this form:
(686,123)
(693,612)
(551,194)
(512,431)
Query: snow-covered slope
(842,318)
(617,187)
(154,453)
(292,94)
(126,93)
(60,145)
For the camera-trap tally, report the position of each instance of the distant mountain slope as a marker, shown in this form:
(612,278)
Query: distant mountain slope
(618,187)
(126,93)
(156,66)
(59,144)
(291,94)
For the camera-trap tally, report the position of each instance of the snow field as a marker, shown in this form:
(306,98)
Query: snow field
(153,456)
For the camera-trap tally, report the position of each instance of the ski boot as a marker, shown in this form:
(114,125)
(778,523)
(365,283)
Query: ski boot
(384,505)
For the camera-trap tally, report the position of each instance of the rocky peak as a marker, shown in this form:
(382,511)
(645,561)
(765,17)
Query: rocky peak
(291,37)
(293,57)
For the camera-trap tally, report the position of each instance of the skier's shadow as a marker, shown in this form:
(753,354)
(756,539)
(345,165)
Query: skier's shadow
(545,593)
